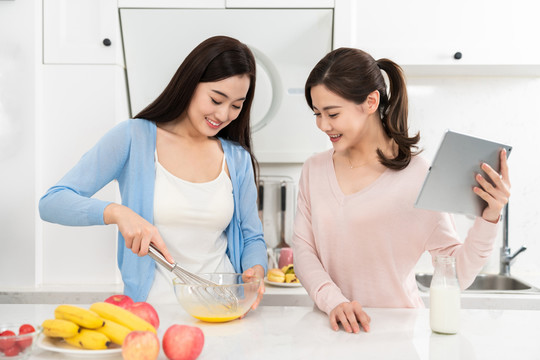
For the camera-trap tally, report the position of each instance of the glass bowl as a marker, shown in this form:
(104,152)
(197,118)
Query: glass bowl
(207,303)
(17,347)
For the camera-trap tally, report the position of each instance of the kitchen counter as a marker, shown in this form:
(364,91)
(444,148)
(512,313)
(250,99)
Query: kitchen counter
(301,332)
(274,296)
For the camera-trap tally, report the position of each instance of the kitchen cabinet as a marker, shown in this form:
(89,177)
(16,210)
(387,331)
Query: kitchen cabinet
(440,37)
(81,32)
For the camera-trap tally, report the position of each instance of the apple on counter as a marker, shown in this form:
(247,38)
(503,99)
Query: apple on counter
(140,345)
(123,301)
(183,342)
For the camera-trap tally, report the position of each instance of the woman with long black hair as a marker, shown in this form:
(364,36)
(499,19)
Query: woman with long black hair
(186,174)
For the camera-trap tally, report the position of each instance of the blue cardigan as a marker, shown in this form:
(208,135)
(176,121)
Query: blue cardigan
(126,154)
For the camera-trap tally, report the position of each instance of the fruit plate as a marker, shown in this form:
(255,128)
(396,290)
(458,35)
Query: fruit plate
(60,346)
(283,284)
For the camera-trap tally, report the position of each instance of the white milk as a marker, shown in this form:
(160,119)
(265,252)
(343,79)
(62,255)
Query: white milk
(444,309)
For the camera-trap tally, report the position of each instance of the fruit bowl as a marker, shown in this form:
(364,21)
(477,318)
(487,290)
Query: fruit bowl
(201,302)
(14,346)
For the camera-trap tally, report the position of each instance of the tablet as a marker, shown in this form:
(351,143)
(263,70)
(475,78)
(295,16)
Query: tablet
(448,186)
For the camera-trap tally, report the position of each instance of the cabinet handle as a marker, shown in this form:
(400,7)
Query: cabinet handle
(107,42)
(458,55)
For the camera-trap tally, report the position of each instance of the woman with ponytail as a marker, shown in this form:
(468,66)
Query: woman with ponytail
(357,235)
(186,174)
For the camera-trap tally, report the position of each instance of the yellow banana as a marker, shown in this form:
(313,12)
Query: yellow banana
(89,339)
(288,269)
(121,316)
(276,275)
(82,317)
(291,278)
(59,328)
(114,331)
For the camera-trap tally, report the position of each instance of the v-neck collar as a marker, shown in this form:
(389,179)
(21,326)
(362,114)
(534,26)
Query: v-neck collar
(334,184)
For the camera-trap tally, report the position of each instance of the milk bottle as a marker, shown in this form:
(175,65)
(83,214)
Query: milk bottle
(444,297)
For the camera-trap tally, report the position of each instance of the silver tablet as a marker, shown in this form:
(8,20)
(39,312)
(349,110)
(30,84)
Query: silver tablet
(449,183)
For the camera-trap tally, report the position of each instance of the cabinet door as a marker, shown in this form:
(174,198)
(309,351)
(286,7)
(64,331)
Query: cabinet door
(431,33)
(81,32)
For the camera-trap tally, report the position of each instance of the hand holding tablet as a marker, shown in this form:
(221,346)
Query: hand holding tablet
(469,176)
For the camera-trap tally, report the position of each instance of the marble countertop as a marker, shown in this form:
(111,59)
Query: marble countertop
(301,332)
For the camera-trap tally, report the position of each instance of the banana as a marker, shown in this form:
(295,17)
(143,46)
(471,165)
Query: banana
(276,275)
(89,339)
(291,278)
(59,328)
(114,331)
(121,316)
(288,269)
(82,317)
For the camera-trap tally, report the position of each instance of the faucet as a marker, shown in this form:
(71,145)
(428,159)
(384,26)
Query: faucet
(505,258)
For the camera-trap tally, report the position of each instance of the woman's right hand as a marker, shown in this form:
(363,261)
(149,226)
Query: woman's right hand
(349,314)
(137,232)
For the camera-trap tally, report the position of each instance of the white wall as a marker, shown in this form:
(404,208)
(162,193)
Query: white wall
(497,108)
(19,22)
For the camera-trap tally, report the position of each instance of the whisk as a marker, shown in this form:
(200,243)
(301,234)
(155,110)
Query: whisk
(209,293)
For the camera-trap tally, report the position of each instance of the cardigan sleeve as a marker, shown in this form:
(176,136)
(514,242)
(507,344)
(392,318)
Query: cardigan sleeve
(254,252)
(70,201)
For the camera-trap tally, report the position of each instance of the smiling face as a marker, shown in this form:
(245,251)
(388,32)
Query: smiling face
(345,122)
(215,104)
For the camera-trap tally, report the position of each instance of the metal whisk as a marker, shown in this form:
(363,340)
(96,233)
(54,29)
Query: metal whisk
(209,293)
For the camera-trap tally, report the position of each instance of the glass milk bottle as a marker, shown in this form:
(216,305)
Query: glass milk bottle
(444,297)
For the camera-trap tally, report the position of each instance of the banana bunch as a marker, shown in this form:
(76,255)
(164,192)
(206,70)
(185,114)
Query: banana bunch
(94,329)
(284,275)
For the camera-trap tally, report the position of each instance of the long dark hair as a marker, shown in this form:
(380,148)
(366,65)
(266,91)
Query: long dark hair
(214,59)
(353,74)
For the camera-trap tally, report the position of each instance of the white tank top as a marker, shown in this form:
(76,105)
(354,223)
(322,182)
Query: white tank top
(191,218)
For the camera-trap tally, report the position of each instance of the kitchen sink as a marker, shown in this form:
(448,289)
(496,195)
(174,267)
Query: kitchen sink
(485,283)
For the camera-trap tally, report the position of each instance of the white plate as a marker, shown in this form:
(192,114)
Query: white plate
(273,283)
(60,346)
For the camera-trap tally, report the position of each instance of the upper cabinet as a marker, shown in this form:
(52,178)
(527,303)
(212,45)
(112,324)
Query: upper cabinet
(443,37)
(81,32)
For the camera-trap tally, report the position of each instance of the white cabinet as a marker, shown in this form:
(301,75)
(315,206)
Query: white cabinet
(445,37)
(81,32)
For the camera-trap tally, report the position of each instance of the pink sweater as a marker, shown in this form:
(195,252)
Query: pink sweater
(364,246)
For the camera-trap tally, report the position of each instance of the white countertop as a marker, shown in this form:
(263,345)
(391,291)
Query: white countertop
(300,332)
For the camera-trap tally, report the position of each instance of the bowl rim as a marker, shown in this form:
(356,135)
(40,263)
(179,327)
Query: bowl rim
(6,326)
(177,282)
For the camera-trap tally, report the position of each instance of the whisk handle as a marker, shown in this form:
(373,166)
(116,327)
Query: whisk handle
(156,255)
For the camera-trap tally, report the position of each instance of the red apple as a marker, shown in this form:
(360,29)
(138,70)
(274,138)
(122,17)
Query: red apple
(146,312)
(140,345)
(183,342)
(123,301)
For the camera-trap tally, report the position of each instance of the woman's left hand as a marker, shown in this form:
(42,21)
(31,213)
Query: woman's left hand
(495,195)
(257,272)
